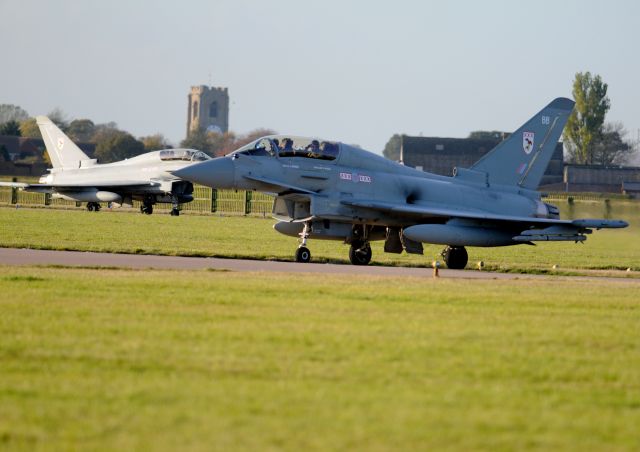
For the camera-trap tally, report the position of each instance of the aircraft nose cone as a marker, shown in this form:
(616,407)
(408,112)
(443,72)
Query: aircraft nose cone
(216,173)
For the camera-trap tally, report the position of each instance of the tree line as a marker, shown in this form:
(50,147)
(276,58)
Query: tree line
(587,137)
(112,143)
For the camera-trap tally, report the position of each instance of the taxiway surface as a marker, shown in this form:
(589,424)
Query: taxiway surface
(21,256)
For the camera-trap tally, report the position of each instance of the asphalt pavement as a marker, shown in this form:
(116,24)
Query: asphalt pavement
(22,256)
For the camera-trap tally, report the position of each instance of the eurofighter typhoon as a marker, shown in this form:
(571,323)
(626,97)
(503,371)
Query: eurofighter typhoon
(145,177)
(330,190)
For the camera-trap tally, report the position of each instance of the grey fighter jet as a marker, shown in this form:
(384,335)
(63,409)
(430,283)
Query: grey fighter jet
(146,177)
(330,190)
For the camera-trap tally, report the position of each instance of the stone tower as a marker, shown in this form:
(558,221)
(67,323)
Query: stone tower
(208,109)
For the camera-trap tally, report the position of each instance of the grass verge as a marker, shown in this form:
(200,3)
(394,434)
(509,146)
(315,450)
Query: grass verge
(106,359)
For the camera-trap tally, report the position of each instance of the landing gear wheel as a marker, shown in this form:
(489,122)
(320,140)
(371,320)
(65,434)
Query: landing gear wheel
(175,212)
(147,209)
(93,207)
(359,253)
(303,254)
(455,257)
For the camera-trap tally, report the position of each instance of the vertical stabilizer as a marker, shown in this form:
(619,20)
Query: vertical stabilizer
(62,151)
(523,158)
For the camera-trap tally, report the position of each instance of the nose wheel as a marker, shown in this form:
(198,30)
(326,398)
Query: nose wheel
(303,255)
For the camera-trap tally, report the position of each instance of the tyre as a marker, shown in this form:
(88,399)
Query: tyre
(455,257)
(303,254)
(360,254)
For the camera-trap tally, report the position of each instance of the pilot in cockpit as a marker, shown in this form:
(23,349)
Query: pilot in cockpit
(313,150)
(287,146)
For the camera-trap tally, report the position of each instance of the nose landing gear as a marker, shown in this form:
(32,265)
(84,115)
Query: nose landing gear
(303,254)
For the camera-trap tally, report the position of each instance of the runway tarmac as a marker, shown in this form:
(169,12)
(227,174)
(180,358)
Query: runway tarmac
(16,256)
(13,256)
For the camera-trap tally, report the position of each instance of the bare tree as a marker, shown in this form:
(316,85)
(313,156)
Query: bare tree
(610,147)
(59,118)
(9,112)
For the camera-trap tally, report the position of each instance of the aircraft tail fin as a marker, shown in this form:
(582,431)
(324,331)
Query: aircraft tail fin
(523,158)
(63,152)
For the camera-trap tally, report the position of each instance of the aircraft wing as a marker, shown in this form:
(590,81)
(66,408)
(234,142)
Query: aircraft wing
(104,184)
(14,184)
(48,187)
(423,212)
(36,188)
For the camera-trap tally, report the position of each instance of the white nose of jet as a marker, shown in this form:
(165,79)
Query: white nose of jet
(216,173)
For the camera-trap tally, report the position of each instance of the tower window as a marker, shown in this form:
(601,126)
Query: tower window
(213,110)
(195,109)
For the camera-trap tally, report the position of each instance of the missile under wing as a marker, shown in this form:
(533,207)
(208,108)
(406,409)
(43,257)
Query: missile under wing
(330,190)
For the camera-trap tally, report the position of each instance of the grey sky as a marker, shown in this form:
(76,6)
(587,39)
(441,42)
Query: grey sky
(354,71)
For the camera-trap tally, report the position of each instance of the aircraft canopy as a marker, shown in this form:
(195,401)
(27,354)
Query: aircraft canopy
(290,146)
(188,155)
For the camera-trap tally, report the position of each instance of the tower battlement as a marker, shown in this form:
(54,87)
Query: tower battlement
(208,108)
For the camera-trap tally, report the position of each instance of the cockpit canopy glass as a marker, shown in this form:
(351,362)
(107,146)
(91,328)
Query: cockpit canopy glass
(187,155)
(288,146)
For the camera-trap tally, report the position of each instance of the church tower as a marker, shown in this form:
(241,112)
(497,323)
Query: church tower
(208,109)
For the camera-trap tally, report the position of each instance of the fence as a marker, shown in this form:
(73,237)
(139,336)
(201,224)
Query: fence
(205,201)
(584,196)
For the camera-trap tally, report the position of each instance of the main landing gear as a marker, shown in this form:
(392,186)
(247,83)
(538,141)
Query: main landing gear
(147,205)
(360,252)
(93,207)
(175,211)
(146,208)
(455,257)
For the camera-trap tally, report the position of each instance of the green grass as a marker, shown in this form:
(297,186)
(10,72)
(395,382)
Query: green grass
(166,360)
(234,236)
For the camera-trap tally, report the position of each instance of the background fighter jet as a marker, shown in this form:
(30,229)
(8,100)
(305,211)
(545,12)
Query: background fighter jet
(330,190)
(146,177)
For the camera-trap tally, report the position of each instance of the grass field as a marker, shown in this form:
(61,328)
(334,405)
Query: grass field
(234,236)
(201,360)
